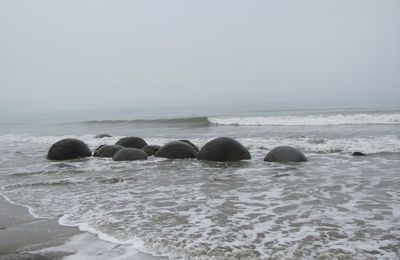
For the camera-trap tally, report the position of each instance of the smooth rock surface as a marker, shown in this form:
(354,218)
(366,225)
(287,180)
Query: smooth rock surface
(190,143)
(129,154)
(177,150)
(151,149)
(223,149)
(285,154)
(132,142)
(67,149)
(359,154)
(107,150)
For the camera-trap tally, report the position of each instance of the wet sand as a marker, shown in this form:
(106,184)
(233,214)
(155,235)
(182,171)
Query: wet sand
(21,233)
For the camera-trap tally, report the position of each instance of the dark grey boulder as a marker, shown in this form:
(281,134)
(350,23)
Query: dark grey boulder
(192,144)
(223,149)
(107,150)
(285,154)
(151,149)
(359,154)
(25,256)
(132,142)
(177,150)
(67,149)
(129,154)
(102,136)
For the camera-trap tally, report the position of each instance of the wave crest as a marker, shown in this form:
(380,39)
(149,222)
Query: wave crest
(310,120)
(288,120)
(194,121)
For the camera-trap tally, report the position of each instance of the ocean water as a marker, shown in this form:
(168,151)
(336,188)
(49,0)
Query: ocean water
(333,206)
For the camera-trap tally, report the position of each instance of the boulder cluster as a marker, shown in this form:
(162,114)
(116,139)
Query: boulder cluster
(221,149)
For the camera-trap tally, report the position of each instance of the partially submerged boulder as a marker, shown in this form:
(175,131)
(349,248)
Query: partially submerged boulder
(67,149)
(285,154)
(359,154)
(107,150)
(132,142)
(223,149)
(151,149)
(190,143)
(177,150)
(102,136)
(129,154)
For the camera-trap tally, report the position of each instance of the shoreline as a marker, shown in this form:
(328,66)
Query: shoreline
(20,232)
(22,235)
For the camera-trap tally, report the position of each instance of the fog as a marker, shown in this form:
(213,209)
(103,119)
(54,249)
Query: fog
(62,55)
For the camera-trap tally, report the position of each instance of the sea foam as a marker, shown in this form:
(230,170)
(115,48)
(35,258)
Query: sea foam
(311,120)
(370,145)
(333,206)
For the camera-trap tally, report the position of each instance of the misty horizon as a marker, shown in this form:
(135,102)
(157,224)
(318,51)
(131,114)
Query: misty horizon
(61,56)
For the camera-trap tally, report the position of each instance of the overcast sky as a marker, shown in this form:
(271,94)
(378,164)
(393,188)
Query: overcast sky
(103,54)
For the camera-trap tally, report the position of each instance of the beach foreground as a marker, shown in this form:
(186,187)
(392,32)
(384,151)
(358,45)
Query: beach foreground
(20,232)
(24,237)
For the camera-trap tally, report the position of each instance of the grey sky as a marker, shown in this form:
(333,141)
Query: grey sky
(104,54)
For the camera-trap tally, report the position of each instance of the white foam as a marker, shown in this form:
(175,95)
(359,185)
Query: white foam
(12,139)
(85,227)
(86,246)
(187,208)
(311,120)
(371,145)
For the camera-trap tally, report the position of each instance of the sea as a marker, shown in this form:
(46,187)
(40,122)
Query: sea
(335,206)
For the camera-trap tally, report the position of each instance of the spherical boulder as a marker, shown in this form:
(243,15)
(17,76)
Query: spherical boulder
(223,149)
(359,154)
(67,149)
(129,154)
(102,136)
(285,154)
(190,143)
(107,150)
(132,142)
(151,149)
(177,150)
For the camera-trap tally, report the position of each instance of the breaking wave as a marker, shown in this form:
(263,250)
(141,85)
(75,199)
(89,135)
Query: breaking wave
(310,120)
(288,120)
(194,121)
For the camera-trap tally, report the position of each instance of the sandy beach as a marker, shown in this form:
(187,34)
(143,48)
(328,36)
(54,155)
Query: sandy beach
(24,237)
(20,232)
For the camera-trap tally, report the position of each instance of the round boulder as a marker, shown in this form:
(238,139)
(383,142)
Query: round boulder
(177,150)
(285,154)
(132,142)
(151,149)
(129,154)
(102,136)
(192,144)
(223,149)
(67,149)
(107,150)
(359,154)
